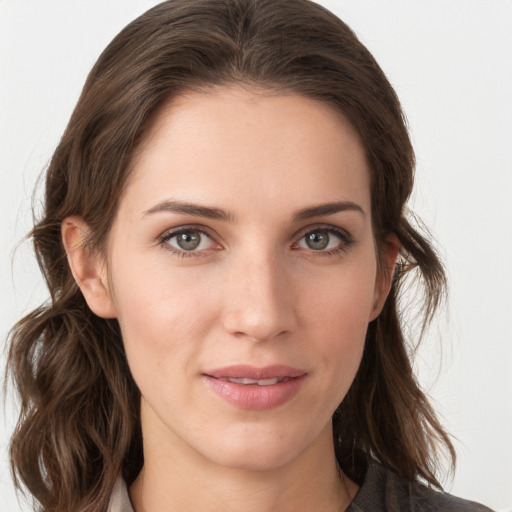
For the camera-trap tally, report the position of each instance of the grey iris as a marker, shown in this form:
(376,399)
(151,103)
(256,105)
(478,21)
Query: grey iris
(317,240)
(188,240)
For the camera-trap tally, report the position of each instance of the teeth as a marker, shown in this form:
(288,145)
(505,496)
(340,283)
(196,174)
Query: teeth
(260,382)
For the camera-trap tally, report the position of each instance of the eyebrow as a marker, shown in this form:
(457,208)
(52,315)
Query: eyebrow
(328,209)
(209,212)
(189,209)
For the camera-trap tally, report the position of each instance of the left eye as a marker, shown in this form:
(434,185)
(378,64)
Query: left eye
(321,240)
(189,240)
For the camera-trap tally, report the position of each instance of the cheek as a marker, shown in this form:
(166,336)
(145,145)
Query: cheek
(158,312)
(337,315)
(342,301)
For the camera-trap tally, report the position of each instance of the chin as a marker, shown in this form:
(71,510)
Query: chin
(256,461)
(257,452)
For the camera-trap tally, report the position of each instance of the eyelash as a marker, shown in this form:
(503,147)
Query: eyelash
(168,235)
(346,240)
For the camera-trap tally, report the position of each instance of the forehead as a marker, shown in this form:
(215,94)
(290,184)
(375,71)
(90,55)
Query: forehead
(249,147)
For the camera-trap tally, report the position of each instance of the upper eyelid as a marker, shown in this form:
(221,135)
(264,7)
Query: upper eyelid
(172,232)
(327,227)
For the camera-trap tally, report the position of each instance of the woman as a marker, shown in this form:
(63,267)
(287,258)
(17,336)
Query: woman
(224,239)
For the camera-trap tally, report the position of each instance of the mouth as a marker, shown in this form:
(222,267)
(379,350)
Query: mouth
(256,382)
(252,388)
(253,374)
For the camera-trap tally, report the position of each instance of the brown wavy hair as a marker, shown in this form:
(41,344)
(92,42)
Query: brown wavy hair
(79,425)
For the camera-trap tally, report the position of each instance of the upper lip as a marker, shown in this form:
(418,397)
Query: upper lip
(253,372)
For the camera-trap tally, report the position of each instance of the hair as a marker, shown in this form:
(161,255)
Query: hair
(79,424)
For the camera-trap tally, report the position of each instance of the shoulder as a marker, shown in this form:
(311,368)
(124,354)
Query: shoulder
(386,491)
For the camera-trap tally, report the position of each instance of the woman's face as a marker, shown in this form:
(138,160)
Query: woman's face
(243,273)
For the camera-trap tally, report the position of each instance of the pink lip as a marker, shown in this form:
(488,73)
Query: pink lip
(254,396)
(252,372)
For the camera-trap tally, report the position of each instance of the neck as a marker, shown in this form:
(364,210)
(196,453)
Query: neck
(182,479)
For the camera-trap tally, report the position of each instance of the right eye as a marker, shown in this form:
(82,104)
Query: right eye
(188,240)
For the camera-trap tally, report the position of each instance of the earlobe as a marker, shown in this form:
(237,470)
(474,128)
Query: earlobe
(87,266)
(390,250)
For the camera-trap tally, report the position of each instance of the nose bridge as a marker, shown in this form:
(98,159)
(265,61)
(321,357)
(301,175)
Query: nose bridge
(260,307)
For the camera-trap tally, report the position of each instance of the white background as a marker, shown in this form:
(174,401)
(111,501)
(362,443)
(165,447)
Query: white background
(451,64)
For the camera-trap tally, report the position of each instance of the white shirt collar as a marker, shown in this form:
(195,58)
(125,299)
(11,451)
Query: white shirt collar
(120,501)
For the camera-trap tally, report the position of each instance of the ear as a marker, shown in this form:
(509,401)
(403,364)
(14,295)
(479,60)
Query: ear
(385,272)
(87,266)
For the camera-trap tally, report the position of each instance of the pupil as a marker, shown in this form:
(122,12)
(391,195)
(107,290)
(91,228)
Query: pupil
(317,240)
(189,240)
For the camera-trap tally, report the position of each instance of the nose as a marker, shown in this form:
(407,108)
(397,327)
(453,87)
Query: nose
(260,302)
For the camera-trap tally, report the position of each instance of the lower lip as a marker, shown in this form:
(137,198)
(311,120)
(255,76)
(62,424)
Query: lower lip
(254,397)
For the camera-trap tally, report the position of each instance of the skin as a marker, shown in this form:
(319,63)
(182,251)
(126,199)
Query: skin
(254,292)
